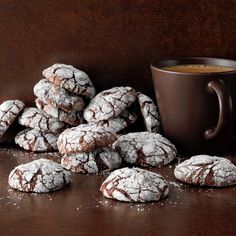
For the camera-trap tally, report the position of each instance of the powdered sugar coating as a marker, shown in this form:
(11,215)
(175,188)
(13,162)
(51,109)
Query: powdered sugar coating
(101,160)
(9,110)
(149,112)
(134,185)
(120,122)
(84,138)
(145,149)
(39,176)
(57,96)
(35,118)
(36,140)
(109,103)
(71,79)
(73,118)
(204,170)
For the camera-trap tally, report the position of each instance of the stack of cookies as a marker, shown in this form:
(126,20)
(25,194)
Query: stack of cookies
(61,98)
(87,150)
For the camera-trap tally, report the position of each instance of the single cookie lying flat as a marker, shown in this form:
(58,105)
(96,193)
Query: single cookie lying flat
(36,140)
(101,160)
(37,119)
(9,110)
(134,185)
(73,118)
(145,149)
(84,138)
(150,113)
(109,103)
(116,124)
(204,170)
(71,79)
(39,176)
(57,96)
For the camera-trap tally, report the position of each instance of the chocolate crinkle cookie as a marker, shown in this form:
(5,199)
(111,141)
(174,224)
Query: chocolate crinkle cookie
(84,138)
(118,123)
(109,103)
(99,161)
(204,170)
(36,140)
(149,112)
(39,176)
(71,79)
(37,119)
(9,110)
(145,149)
(73,118)
(57,96)
(135,185)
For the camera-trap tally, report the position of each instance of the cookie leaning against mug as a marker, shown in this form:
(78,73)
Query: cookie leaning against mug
(149,112)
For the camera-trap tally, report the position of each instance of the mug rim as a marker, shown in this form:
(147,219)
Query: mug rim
(158,66)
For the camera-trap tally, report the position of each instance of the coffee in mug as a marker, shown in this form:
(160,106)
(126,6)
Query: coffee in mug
(194,96)
(198,68)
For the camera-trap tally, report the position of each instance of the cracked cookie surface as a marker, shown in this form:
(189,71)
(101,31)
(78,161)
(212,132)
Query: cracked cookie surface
(149,112)
(98,161)
(39,176)
(109,103)
(145,149)
(57,96)
(120,122)
(84,138)
(204,170)
(37,119)
(9,110)
(36,140)
(71,79)
(134,185)
(73,118)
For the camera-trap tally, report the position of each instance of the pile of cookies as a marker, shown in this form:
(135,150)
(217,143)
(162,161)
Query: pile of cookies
(87,150)
(89,132)
(61,98)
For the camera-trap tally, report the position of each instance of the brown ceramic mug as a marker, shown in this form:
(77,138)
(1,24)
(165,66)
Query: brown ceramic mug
(196,104)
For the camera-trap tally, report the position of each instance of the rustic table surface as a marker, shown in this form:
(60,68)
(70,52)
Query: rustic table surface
(80,209)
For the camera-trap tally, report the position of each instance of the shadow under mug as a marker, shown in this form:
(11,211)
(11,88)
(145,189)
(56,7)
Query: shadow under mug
(196,108)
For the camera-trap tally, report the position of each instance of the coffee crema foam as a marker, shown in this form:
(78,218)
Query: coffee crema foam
(198,68)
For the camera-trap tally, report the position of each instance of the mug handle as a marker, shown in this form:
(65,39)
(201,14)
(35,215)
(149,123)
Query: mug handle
(225,108)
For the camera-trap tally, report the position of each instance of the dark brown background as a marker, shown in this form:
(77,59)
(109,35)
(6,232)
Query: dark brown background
(113,41)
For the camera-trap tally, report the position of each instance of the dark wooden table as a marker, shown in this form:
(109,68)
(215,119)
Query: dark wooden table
(80,209)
